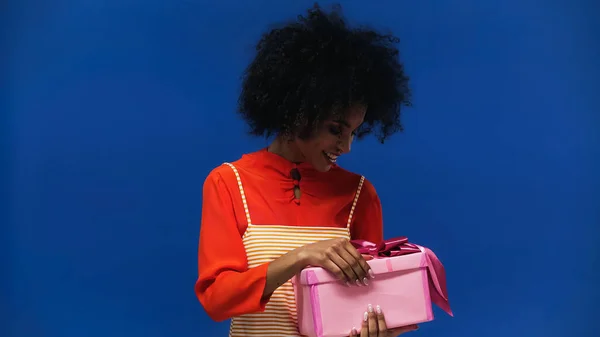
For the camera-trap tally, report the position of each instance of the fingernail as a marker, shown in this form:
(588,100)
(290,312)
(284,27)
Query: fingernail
(370,308)
(378,308)
(358,283)
(365,281)
(354,331)
(347,284)
(366,316)
(371,273)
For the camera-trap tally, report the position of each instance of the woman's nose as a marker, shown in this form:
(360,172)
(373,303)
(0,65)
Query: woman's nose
(345,145)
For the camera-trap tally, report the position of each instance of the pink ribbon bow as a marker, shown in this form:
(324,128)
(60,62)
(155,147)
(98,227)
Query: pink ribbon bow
(400,246)
(387,248)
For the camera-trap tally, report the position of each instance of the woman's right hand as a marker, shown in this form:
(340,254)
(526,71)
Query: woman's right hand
(339,257)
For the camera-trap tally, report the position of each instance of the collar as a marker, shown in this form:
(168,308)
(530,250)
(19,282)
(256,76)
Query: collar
(270,162)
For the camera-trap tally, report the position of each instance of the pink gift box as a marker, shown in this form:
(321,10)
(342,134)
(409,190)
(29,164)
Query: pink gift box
(408,278)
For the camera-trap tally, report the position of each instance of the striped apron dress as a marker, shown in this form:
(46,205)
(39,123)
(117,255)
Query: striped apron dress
(265,243)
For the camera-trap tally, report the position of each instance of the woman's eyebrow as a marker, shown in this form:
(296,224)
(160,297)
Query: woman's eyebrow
(343,122)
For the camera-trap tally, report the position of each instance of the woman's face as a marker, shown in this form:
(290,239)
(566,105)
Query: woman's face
(332,139)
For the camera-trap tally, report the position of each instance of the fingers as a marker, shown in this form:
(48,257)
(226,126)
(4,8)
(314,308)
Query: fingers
(381,326)
(351,266)
(329,259)
(357,261)
(348,264)
(342,259)
(332,267)
(373,325)
(367,257)
(343,270)
(364,329)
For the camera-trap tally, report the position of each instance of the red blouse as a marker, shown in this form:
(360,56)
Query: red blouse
(226,287)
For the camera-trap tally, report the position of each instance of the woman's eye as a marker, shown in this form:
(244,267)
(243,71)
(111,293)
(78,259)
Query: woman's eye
(335,130)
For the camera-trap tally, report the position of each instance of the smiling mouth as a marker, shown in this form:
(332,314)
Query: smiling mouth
(332,158)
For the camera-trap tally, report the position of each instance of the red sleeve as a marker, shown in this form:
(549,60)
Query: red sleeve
(368,218)
(225,286)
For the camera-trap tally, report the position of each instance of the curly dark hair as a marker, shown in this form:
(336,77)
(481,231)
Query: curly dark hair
(316,67)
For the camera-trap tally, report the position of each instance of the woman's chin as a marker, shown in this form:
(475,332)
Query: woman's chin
(325,169)
(322,166)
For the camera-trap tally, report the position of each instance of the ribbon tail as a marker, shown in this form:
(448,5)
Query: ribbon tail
(437,282)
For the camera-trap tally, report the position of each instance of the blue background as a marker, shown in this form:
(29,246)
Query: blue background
(118,109)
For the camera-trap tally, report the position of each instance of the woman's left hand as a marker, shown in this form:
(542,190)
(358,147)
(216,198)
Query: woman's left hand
(374,325)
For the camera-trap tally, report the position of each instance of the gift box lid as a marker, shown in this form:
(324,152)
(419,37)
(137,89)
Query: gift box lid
(381,265)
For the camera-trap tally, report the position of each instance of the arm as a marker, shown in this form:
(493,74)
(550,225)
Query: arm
(368,218)
(283,269)
(225,286)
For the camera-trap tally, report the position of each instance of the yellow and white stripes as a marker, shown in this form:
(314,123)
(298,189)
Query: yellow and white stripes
(265,243)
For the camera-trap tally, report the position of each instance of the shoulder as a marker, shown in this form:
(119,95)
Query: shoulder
(227,173)
(227,169)
(368,190)
(222,175)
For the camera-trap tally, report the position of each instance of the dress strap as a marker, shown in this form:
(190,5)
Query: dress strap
(360,185)
(239,182)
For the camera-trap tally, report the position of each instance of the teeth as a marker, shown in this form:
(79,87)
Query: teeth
(331,157)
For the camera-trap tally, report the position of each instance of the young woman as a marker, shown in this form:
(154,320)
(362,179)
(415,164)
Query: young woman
(315,85)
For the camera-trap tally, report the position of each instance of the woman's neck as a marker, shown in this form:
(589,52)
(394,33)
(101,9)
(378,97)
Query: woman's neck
(286,149)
